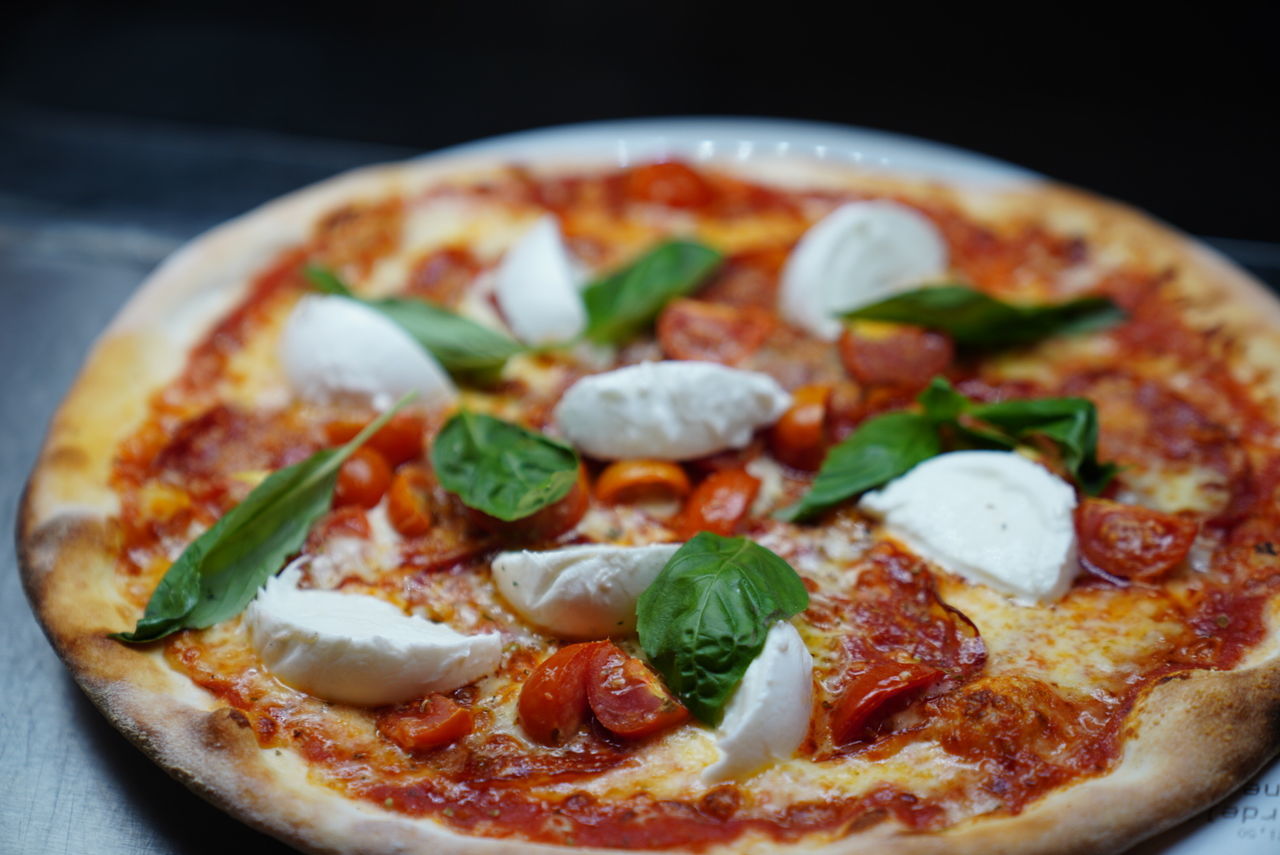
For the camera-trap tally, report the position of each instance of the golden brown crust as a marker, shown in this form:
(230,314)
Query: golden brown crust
(1191,739)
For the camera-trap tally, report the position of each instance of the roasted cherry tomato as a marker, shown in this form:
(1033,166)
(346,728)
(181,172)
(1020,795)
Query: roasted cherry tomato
(553,701)
(1130,541)
(868,696)
(799,438)
(347,521)
(640,480)
(362,479)
(407,503)
(897,356)
(627,697)
(712,332)
(672,184)
(399,440)
(552,521)
(435,721)
(720,503)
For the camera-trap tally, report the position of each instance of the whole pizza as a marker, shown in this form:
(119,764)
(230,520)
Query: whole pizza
(474,506)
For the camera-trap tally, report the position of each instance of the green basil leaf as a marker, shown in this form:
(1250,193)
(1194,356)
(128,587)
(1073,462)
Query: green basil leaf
(217,575)
(1071,423)
(705,617)
(462,346)
(976,320)
(628,300)
(887,446)
(881,449)
(505,470)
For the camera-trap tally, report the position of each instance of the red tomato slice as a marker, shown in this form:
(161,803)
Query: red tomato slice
(868,696)
(628,698)
(1132,542)
(720,503)
(436,721)
(899,357)
(712,332)
(553,701)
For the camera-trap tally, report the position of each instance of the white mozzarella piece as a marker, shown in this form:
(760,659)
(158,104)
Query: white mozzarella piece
(768,715)
(580,591)
(673,410)
(356,649)
(859,253)
(333,347)
(994,517)
(537,287)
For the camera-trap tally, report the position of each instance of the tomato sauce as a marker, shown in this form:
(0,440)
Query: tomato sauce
(1025,735)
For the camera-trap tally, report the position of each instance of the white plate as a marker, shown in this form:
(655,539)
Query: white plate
(631,140)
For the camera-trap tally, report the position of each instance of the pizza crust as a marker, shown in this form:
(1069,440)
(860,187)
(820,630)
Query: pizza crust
(1191,740)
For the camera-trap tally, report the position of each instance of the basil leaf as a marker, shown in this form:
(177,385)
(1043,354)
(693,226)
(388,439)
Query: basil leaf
(976,320)
(505,470)
(217,575)
(1071,423)
(462,346)
(881,449)
(628,300)
(705,617)
(887,446)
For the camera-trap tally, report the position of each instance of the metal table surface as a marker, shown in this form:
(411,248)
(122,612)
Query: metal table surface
(87,207)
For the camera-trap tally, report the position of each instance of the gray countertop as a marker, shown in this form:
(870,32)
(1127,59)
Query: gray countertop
(87,207)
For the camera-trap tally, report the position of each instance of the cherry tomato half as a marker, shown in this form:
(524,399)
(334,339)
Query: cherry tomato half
(435,721)
(1130,541)
(720,503)
(399,440)
(627,697)
(362,480)
(639,480)
(868,696)
(408,508)
(553,701)
(799,439)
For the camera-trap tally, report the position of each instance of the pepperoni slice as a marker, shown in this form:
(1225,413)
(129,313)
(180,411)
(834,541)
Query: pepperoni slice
(712,332)
(435,721)
(900,357)
(627,698)
(1130,541)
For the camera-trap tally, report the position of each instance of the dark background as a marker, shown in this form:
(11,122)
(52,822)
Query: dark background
(1173,109)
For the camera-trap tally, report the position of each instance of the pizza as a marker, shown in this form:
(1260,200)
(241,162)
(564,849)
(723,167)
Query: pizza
(477,506)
